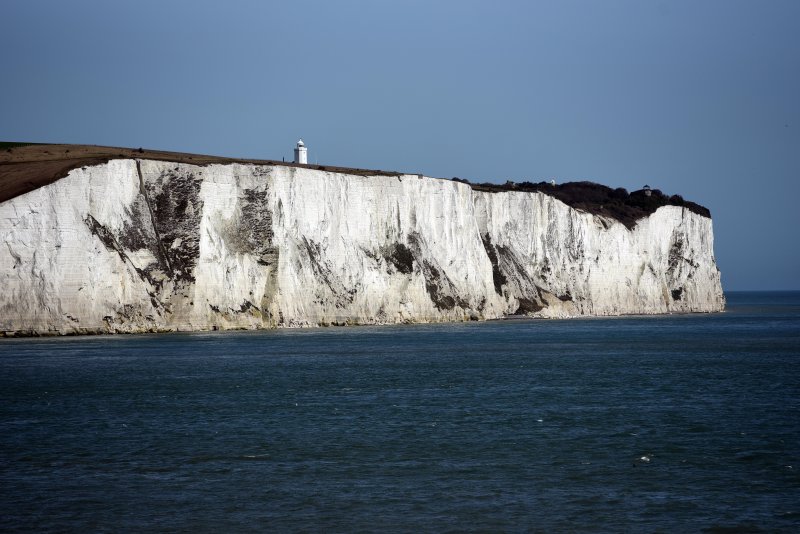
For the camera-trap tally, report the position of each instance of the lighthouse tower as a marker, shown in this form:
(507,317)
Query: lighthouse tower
(300,153)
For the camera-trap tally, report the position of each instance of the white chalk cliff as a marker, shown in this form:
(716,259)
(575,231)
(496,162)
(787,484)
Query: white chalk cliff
(134,246)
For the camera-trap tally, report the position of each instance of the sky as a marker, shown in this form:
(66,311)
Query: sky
(698,98)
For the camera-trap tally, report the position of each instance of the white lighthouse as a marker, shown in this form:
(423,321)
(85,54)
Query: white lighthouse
(300,153)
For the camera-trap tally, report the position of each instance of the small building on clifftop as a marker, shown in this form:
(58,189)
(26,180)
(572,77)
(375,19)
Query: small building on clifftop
(301,153)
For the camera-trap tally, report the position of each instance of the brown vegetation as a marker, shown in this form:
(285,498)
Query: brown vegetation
(25,167)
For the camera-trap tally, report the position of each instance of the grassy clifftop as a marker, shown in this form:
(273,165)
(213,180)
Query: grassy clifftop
(28,166)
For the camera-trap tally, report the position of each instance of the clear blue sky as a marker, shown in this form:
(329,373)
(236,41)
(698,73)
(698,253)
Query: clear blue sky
(700,98)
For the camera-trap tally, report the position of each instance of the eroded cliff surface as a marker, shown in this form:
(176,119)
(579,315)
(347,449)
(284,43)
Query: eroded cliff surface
(139,245)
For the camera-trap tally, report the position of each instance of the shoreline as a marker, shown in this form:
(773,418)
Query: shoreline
(345,325)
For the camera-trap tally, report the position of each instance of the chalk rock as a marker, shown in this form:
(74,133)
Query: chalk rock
(139,245)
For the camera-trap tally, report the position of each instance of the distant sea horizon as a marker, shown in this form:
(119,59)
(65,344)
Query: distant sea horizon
(683,422)
(739,291)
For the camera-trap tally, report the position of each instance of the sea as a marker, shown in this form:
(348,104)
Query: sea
(677,423)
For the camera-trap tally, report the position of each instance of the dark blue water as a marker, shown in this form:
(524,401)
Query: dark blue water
(675,423)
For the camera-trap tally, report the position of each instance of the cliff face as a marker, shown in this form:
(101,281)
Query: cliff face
(131,246)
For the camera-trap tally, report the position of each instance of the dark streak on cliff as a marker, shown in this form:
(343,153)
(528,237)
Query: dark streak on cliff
(251,230)
(111,242)
(177,208)
(324,271)
(442,291)
(498,277)
(401,257)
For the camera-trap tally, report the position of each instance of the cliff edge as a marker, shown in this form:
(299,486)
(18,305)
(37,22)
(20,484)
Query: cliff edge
(136,244)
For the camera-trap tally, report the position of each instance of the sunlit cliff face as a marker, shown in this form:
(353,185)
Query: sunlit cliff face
(133,246)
